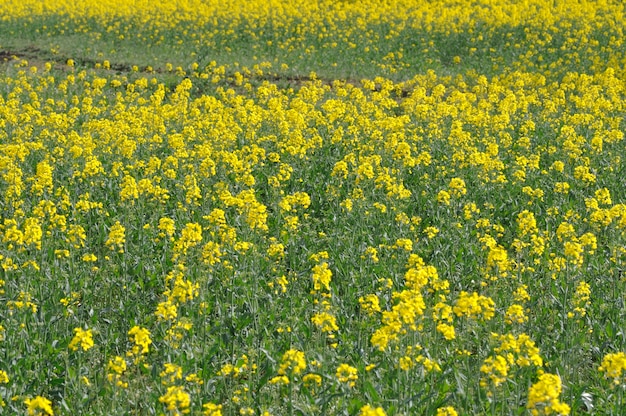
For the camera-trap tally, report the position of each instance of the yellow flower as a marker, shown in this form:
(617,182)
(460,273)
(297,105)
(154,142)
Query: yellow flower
(176,399)
(325,322)
(117,237)
(347,374)
(446,330)
(404,243)
(515,314)
(543,396)
(614,367)
(166,311)
(321,277)
(167,227)
(457,187)
(39,406)
(141,340)
(191,236)
(312,380)
(370,304)
(82,337)
(279,380)
(128,188)
(443,197)
(368,410)
(526,223)
(211,253)
(495,369)
(170,374)
(431,232)
(581,297)
(474,305)
(292,362)
(116,368)
(32,232)
(446,411)
(211,409)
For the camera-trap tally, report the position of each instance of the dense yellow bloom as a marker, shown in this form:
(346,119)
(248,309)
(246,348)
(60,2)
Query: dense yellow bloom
(117,237)
(521,294)
(526,223)
(229,152)
(543,396)
(321,276)
(39,406)
(279,380)
(167,227)
(457,187)
(515,314)
(347,374)
(473,305)
(140,337)
(33,233)
(290,202)
(446,411)
(176,399)
(368,410)
(447,331)
(443,197)
(495,371)
(191,235)
(166,310)
(77,236)
(82,338)
(211,253)
(292,363)
(325,322)
(128,188)
(117,365)
(170,374)
(211,409)
(519,349)
(614,367)
(370,304)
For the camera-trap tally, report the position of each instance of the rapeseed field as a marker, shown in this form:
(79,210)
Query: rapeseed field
(312,207)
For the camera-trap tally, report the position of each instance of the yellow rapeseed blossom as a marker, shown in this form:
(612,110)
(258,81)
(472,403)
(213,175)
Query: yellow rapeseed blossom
(515,315)
(176,399)
(347,374)
(116,368)
(211,409)
(446,411)
(321,277)
(171,374)
(292,363)
(39,406)
(474,305)
(325,321)
(543,396)
(368,410)
(614,367)
(370,304)
(82,339)
(140,337)
(117,237)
